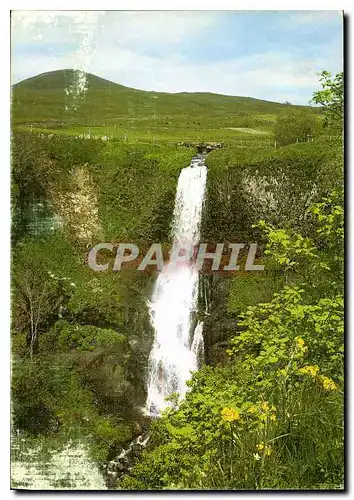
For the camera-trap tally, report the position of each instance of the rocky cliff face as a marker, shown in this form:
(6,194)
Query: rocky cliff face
(78,207)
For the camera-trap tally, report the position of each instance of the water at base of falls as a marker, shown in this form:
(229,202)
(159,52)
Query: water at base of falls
(177,349)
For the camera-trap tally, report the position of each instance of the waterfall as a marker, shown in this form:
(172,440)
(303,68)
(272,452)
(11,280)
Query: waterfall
(198,341)
(177,349)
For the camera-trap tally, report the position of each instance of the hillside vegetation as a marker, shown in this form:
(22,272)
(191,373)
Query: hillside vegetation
(73,100)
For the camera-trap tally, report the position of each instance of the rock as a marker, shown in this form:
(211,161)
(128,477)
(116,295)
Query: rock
(137,429)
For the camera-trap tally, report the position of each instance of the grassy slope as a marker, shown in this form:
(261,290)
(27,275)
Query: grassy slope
(51,97)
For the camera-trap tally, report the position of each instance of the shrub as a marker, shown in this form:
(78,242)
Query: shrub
(295,127)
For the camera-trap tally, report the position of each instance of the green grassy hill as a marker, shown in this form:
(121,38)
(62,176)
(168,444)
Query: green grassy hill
(52,97)
(55,102)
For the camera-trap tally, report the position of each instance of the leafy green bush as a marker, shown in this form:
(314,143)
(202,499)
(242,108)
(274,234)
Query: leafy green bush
(85,337)
(331,97)
(295,126)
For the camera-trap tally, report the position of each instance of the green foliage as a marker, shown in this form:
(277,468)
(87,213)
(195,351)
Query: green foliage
(36,298)
(29,399)
(109,435)
(85,337)
(52,387)
(295,126)
(331,97)
(39,161)
(318,261)
(317,265)
(87,328)
(40,164)
(250,289)
(272,329)
(228,434)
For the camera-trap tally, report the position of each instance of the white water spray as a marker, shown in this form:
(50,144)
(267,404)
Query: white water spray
(176,349)
(197,346)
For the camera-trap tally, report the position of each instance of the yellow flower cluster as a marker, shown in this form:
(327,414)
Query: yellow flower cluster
(300,344)
(265,448)
(264,411)
(230,415)
(328,383)
(309,370)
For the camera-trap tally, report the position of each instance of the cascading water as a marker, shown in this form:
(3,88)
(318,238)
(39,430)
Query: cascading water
(197,346)
(176,349)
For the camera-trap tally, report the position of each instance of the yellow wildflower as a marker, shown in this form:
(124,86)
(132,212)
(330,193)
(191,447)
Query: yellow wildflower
(230,415)
(300,342)
(252,409)
(273,417)
(268,450)
(309,370)
(265,406)
(265,448)
(328,383)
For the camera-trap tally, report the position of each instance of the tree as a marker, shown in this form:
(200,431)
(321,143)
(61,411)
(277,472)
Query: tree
(331,97)
(295,126)
(37,300)
(37,296)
